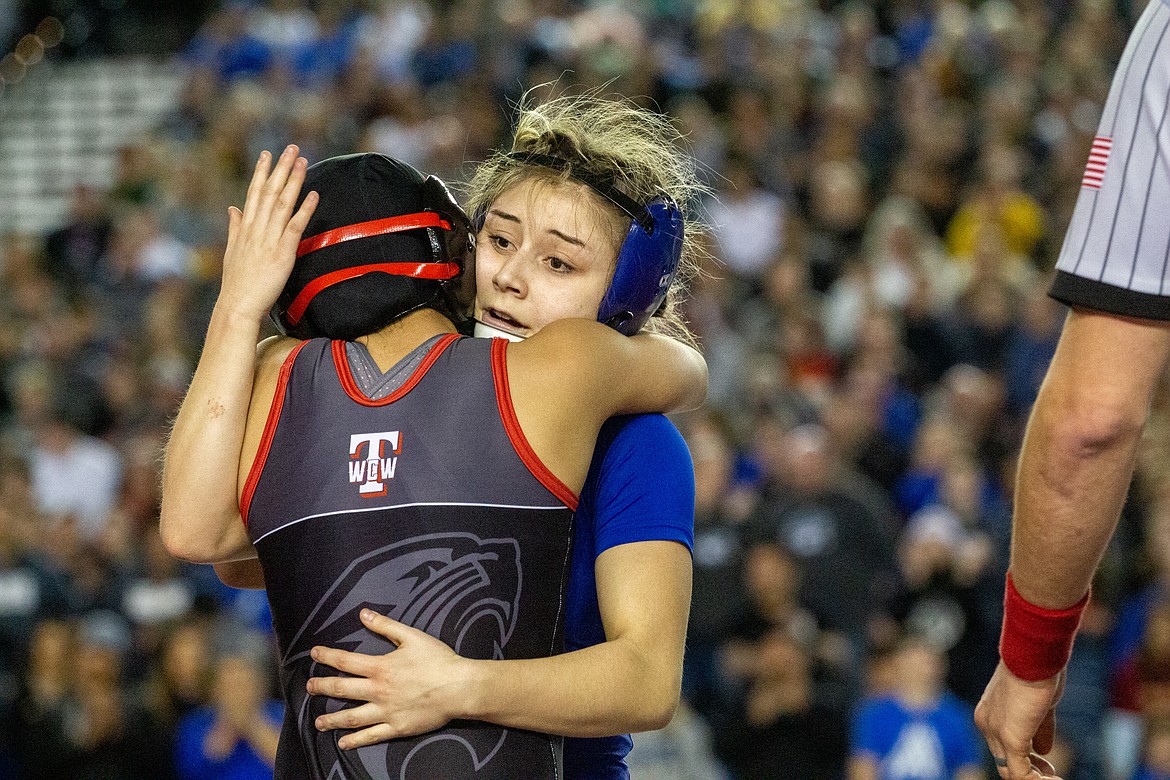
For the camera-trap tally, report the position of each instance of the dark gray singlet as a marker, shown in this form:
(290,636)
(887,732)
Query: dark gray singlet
(426,505)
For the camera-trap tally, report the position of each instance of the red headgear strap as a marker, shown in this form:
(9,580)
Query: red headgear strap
(375,227)
(437,271)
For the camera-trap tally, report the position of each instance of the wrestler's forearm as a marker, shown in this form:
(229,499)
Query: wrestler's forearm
(597,691)
(200,515)
(630,682)
(679,371)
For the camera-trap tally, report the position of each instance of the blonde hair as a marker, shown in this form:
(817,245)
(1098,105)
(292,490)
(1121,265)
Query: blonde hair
(613,140)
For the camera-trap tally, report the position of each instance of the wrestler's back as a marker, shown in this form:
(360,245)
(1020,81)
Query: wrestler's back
(425,505)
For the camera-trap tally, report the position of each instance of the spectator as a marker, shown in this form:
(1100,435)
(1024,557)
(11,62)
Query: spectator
(392,34)
(839,203)
(841,537)
(226,46)
(407,129)
(234,737)
(158,595)
(917,729)
(719,550)
(75,476)
(878,368)
(74,251)
(1031,347)
(108,734)
(852,420)
(744,201)
(999,205)
(985,309)
(32,587)
(900,255)
(285,27)
(780,729)
(1155,763)
(942,565)
(179,682)
(39,718)
(84,724)
(681,751)
(1133,622)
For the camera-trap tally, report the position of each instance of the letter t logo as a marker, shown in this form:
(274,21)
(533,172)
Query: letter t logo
(373,471)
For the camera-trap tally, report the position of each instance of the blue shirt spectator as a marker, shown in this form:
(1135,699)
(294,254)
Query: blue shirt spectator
(918,731)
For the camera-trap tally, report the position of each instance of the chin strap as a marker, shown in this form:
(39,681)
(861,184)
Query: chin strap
(483,331)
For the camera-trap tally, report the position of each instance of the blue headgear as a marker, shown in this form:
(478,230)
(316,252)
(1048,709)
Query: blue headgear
(648,261)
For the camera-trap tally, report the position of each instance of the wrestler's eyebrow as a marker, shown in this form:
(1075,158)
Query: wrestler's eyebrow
(505,215)
(569,239)
(562,236)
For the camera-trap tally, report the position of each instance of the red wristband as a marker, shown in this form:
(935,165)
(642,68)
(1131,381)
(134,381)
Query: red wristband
(1036,642)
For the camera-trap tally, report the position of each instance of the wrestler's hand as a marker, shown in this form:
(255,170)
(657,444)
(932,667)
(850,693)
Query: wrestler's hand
(1018,720)
(410,690)
(263,238)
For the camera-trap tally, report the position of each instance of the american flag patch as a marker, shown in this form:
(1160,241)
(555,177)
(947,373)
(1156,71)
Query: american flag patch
(1098,160)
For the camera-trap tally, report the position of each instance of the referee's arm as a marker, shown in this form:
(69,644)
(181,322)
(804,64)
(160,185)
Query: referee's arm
(1079,449)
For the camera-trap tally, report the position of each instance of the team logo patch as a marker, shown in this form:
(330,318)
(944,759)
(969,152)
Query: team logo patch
(373,459)
(1098,161)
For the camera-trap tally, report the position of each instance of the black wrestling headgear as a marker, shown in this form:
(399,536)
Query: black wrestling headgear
(415,243)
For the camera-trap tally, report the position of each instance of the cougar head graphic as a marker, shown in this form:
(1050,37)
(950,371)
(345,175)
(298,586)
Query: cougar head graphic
(456,587)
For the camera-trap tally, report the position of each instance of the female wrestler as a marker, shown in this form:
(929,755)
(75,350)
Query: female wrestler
(629,590)
(552,393)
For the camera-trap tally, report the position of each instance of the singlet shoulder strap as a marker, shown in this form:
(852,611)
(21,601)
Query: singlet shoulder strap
(274,411)
(516,434)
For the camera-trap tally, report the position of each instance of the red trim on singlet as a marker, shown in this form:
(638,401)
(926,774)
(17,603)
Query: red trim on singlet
(269,431)
(432,271)
(516,434)
(341,361)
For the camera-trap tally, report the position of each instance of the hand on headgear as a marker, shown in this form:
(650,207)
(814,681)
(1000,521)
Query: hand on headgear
(262,239)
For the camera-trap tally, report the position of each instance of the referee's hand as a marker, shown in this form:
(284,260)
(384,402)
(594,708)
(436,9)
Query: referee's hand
(1018,720)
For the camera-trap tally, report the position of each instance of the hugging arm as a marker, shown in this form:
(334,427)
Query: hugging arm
(244,574)
(200,519)
(630,682)
(641,511)
(620,374)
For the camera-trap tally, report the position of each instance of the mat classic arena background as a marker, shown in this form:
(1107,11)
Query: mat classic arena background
(890,186)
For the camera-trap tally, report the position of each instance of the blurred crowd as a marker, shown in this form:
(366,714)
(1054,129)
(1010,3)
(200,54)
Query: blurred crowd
(890,185)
